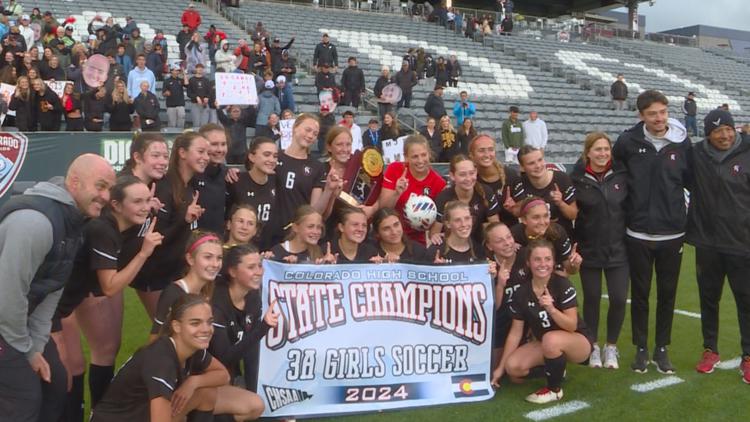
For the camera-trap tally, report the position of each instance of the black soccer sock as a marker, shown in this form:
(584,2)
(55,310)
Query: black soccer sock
(555,370)
(99,379)
(74,404)
(200,416)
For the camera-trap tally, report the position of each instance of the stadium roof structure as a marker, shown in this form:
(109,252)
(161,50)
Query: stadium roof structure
(549,8)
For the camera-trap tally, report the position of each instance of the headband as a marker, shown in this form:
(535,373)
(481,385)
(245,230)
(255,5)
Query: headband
(201,240)
(531,205)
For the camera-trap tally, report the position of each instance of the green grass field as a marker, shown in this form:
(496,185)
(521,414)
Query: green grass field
(715,397)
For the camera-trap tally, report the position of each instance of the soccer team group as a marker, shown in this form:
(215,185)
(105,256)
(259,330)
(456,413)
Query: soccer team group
(190,235)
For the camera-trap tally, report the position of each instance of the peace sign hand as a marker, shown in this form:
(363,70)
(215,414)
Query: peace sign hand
(155,202)
(194,211)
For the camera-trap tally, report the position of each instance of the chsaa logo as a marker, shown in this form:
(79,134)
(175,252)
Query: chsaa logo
(13,148)
(278,397)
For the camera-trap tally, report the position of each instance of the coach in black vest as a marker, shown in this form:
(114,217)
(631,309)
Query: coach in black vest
(40,233)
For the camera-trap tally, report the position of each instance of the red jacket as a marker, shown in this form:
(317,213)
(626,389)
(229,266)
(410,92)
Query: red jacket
(244,53)
(191,18)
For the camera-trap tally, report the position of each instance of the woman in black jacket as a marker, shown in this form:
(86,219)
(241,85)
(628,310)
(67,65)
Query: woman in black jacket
(48,104)
(120,107)
(94,106)
(23,103)
(431,132)
(52,70)
(147,107)
(601,189)
(442,73)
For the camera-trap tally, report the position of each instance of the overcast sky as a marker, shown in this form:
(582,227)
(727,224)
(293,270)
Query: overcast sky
(670,14)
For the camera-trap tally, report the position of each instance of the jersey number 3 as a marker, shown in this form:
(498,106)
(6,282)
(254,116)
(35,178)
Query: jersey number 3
(544,316)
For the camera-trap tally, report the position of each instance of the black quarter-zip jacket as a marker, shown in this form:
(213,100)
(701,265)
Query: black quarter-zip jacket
(656,179)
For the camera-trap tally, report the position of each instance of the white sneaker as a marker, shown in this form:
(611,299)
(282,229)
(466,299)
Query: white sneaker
(610,356)
(544,395)
(595,360)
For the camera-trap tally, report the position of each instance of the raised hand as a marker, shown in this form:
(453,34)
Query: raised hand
(377,259)
(194,211)
(556,196)
(151,240)
(402,183)
(155,202)
(438,258)
(546,301)
(503,274)
(492,268)
(575,258)
(328,258)
(509,202)
(272,317)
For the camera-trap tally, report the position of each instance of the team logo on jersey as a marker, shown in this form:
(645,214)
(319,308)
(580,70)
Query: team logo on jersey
(642,150)
(426,191)
(273,191)
(252,194)
(307,170)
(13,148)
(616,186)
(673,156)
(736,169)
(248,320)
(279,397)
(476,207)
(201,183)
(531,304)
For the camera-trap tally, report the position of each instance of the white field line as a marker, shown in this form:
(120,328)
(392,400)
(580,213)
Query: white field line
(653,385)
(555,411)
(677,311)
(730,364)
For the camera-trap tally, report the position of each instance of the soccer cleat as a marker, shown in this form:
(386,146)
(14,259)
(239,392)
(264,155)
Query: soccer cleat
(595,360)
(745,369)
(708,362)
(661,360)
(610,356)
(544,395)
(640,364)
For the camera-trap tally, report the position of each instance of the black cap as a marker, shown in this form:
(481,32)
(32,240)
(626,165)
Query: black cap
(691,93)
(717,117)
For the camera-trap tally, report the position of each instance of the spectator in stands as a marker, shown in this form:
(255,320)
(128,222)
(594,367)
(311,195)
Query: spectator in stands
(411,59)
(120,106)
(49,23)
(130,25)
(354,129)
(173,90)
(724,107)
(464,109)
(454,71)
(352,83)
(535,131)
(160,39)
(325,80)
(243,52)
(384,79)
(619,93)
(327,121)
(512,132)
(690,109)
(183,38)
(107,41)
(36,16)
(746,129)
(147,107)
(506,26)
(191,18)
(442,73)
(138,74)
(123,59)
(284,93)
(420,63)
(432,134)
(52,70)
(195,53)
(258,60)
(466,132)
(275,50)
(14,10)
(325,52)
(213,39)
(287,67)
(224,60)
(22,103)
(129,48)
(406,79)
(115,73)
(94,106)
(198,90)
(26,31)
(390,129)
(268,104)
(155,61)
(656,154)
(59,47)
(270,129)
(92,46)
(71,103)
(236,121)
(47,103)
(448,143)
(435,105)
(372,137)
(259,33)
(138,42)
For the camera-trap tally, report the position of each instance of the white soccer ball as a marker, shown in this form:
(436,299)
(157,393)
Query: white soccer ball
(420,211)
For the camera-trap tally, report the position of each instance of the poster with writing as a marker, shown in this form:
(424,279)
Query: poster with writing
(6,93)
(393,150)
(235,89)
(57,86)
(286,126)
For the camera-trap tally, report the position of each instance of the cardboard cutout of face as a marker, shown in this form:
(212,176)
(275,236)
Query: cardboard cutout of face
(95,70)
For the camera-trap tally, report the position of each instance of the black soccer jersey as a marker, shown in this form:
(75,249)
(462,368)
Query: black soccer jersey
(365,251)
(474,254)
(525,306)
(479,207)
(501,193)
(413,253)
(280,252)
(100,251)
(260,197)
(561,241)
(524,189)
(237,333)
(503,316)
(295,181)
(153,371)
(168,297)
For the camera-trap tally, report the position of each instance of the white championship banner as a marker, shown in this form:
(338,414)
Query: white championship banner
(369,337)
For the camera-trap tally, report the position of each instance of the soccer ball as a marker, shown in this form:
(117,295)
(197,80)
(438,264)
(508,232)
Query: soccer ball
(420,211)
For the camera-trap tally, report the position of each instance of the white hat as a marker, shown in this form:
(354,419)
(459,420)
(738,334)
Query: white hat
(25,17)
(281,79)
(269,85)
(92,37)
(176,66)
